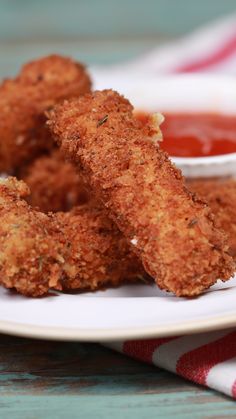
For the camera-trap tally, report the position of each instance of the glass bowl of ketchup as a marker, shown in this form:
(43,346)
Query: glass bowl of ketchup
(199,130)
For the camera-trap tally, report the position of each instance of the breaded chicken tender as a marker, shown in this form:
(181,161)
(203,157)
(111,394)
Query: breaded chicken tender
(31,245)
(220,194)
(54,184)
(96,253)
(171,231)
(23,101)
(78,250)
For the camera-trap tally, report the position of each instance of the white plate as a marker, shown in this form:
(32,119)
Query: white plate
(134,311)
(139,311)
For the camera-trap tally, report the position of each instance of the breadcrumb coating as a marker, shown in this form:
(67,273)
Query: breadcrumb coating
(78,250)
(220,194)
(171,230)
(31,245)
(23,101)
(97,254)
(54,184)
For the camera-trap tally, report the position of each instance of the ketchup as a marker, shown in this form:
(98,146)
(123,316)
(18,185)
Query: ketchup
(196,134)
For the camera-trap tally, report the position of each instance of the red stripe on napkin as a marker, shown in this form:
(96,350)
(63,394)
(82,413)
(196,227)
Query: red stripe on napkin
(234,390)
(195,365)
(225,50)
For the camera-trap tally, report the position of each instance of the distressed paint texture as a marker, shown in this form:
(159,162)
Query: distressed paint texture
(58,380)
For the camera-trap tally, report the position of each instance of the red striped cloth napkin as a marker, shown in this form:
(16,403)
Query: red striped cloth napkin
(209,358)
(208,49)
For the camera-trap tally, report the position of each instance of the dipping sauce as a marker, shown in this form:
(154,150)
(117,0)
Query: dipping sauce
(196,134)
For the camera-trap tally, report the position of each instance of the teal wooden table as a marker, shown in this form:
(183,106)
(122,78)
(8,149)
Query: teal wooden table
(57,380)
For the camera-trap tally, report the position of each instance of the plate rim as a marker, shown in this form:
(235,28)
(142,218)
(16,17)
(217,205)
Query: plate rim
(108,335)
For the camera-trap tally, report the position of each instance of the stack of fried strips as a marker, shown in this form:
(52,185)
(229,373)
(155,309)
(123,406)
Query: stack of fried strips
(98,202)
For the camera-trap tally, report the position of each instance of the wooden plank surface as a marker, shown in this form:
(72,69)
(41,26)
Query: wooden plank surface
(40,379)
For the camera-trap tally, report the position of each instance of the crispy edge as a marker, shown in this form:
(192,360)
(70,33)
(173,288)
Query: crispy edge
(220,194)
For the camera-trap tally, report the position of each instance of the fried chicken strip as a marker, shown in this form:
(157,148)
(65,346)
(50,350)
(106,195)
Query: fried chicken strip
(31,245)
(171,231)
(54,184)
(97,254)
(23,101)
(220,194)
(78,250)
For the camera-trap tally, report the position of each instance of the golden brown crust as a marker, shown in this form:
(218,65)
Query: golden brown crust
(97,254)
(54,184)
(172,231)
(220,194)
(77,250)
(30,244)
(23,101)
